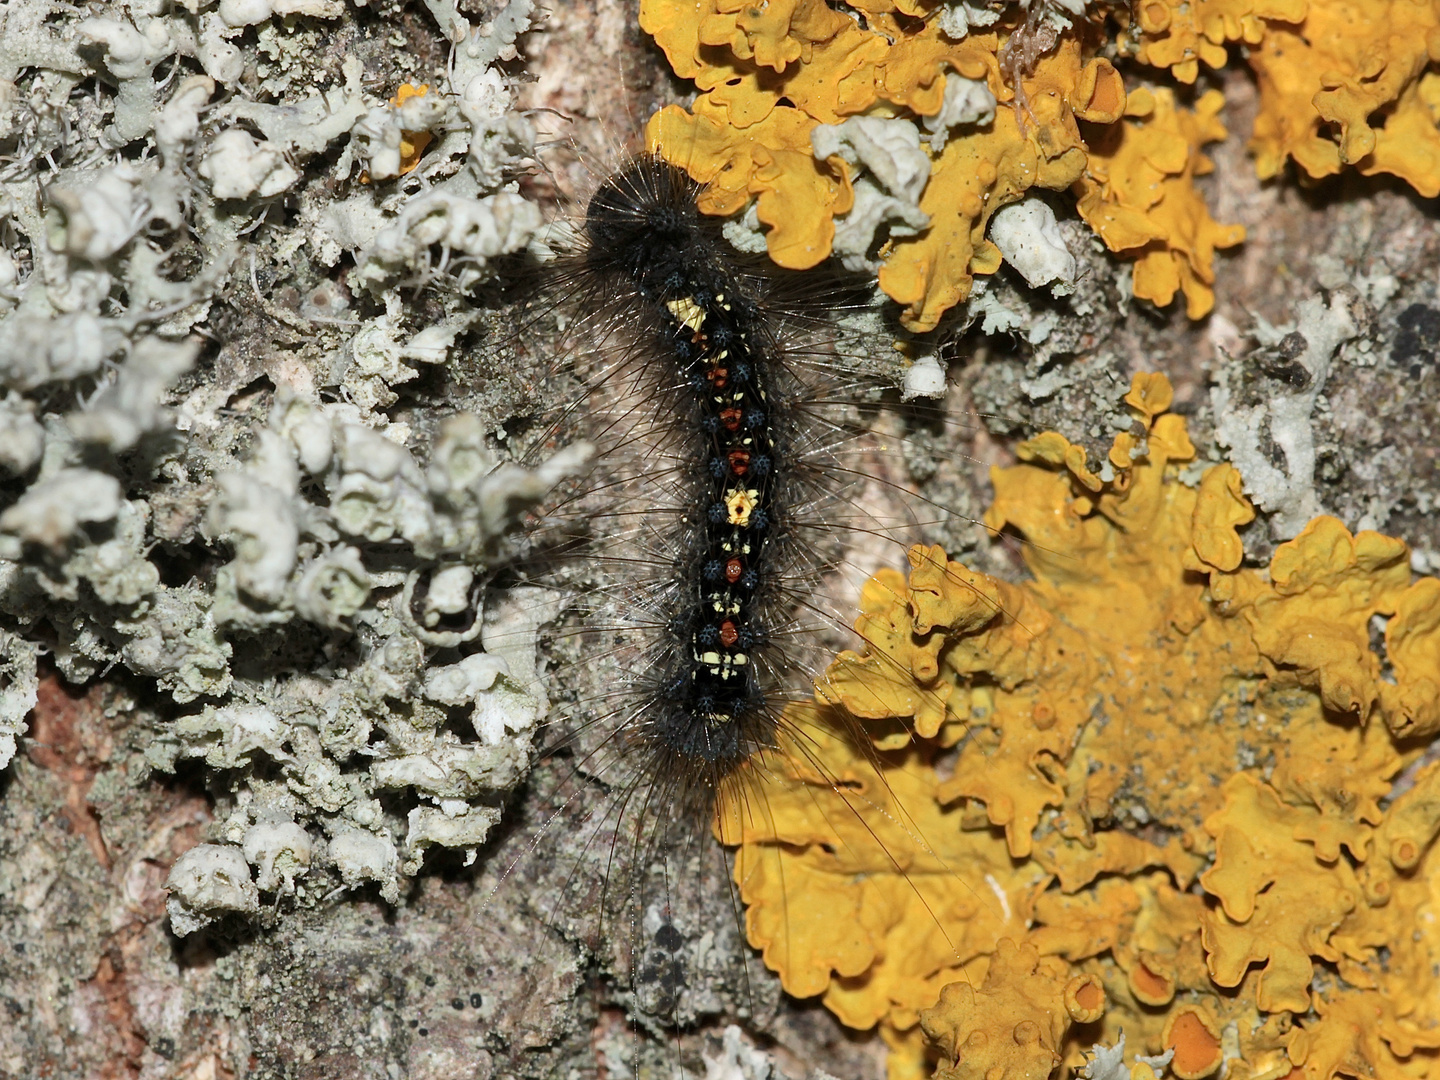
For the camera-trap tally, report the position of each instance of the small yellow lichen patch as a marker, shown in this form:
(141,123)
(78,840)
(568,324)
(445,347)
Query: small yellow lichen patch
(1012,1027)
(1221,508)
(1150,766)
(773,34)
(1138,194)
(1181,34)
(412,143)
(1348,86)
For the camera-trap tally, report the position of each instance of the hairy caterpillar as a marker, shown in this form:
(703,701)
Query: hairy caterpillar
(705,537)
(708,710)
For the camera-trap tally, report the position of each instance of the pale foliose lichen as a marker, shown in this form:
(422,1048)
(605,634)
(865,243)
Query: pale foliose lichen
(1108,1063)
(18,694)
(206,882)
(271,530)
(1253,421)
(891,172)
(1029,237)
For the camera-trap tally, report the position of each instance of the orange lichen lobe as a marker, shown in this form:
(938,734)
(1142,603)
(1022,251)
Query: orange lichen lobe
(1085,999)
(1349,85)
(1220,508)
(1013,1026)
(1151,767)
(1182,34)
(1412,644)
(796,196)
(1191,1031)
(1412,822)
(1150,987)
(1139,196)
(1279,903)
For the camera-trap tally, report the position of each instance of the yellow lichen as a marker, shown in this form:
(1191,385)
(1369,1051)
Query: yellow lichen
(894,927)
(1138,194)
(1279,904)
(1412,642)
(412,143)
(768,74)
(796,196)
(1012,1027)
(1181,34)
(1342,82)
(1348,86)
(1149,767)
(979,172)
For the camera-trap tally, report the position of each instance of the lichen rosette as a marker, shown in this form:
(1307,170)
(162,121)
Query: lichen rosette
(1195,783)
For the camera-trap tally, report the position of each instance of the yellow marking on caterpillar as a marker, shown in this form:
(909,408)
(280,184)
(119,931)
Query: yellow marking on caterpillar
(741,503)
(690,314)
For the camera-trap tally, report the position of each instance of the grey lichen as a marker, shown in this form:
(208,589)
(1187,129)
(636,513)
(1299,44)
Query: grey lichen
(18,690)
(891,171)
(1267,426)
(206,881)
(296,564)
(957,18)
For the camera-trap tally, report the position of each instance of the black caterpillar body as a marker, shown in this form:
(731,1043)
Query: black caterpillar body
(711,709)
